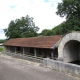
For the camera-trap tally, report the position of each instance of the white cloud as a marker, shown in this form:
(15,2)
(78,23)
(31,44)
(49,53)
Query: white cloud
(2,36)
(42,12)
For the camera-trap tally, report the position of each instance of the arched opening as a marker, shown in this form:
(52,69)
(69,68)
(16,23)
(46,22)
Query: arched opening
(71,52)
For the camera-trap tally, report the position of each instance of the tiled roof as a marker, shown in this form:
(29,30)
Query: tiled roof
(37,42)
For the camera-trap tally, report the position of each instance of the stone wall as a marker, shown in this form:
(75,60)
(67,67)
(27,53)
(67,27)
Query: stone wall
(62,66)
(23,57)
(53,64)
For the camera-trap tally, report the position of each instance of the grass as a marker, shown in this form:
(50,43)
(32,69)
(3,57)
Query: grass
(1,49)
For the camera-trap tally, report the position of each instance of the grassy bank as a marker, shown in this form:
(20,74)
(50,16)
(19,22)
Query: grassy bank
(1,49)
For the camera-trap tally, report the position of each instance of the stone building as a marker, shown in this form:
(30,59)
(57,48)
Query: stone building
(43,47)
(64,48)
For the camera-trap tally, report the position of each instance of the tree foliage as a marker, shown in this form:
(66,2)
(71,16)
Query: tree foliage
(71,10)
(58,30)
(19,28)
(46,32)
(2,41)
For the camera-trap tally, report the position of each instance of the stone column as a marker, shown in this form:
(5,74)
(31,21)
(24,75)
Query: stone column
(23,50)
(5,49)
(15,50)
(35,54)
(42,53)
(9,48)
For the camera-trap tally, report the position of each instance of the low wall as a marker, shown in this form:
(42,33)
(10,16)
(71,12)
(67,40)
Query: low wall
(63,67)
(53,64)
(22,57)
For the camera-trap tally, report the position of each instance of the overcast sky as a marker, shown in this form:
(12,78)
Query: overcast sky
(43,12)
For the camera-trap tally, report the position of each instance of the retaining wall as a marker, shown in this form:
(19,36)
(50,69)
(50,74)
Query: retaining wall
(53,64)
(63,67)
(22,57)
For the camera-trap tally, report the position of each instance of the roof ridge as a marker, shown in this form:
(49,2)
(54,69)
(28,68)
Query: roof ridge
(38,37)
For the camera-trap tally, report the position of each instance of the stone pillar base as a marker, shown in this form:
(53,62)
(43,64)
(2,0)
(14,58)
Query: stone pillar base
(59,59)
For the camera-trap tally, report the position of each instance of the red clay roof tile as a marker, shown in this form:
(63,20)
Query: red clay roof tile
(37,42)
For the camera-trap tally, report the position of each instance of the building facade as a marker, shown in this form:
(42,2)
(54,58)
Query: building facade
(43,47)
(64,48)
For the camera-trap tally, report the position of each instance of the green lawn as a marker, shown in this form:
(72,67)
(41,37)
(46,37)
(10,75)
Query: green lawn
(1,49)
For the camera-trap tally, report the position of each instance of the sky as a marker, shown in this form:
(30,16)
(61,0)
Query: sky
(43,12)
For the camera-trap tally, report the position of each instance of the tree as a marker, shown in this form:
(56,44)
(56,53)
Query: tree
(2,41)
(46,32)
(20,28)
(59,30)
(71,10)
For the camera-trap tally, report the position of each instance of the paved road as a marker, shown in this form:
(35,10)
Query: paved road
(17,69)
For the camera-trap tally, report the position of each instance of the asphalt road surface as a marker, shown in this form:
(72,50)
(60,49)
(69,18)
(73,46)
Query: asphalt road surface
(17,69)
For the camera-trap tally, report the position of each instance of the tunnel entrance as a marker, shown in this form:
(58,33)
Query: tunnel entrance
(71,52)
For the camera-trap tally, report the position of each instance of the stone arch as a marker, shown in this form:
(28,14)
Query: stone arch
(69,47)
